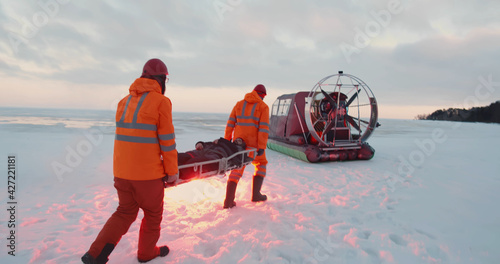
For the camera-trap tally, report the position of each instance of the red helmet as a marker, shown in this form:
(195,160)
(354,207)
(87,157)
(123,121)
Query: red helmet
(260,89)
(154,67)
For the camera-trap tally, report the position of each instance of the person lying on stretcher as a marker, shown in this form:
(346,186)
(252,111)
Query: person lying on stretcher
(205,151)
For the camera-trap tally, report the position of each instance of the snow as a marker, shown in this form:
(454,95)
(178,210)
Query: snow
(430,195)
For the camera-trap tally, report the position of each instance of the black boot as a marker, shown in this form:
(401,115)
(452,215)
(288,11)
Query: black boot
(88,259)
(257,184)
(230,192)
(164,250)
(102,258)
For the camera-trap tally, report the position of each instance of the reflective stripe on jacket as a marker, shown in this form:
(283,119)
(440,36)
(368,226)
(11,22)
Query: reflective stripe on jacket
(145,141)
(249,120)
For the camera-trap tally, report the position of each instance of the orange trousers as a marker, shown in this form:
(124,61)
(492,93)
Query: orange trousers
(260,163)
(132,195)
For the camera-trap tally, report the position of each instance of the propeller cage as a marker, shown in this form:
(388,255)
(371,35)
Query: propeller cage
(340,111)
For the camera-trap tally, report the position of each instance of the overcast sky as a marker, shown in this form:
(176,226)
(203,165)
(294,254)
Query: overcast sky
(416,56)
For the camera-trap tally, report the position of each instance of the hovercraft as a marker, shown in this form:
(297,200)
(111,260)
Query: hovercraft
(329,123)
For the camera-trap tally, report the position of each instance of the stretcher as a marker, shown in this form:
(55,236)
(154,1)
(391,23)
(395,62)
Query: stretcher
(210,168)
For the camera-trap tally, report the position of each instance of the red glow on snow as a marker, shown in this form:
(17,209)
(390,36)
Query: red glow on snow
(339,200)
(58,209)
(192,202)
(301,218)
(274,214)
(351,238)
(417,247)
(86,219)
(387,256)
(99,195)
(272,244)
(195,192)
(100,204)
(31,220)
(331,230)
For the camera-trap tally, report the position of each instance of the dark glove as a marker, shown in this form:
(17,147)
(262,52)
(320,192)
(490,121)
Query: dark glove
(260,152)
(170,180)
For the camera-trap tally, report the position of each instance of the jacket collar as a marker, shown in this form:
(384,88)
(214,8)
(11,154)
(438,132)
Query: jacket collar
(144,85)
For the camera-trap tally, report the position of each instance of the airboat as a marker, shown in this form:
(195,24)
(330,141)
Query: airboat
(332,122)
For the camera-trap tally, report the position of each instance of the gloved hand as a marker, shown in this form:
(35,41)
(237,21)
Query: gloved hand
(170,180)
(260,152)
(173,178)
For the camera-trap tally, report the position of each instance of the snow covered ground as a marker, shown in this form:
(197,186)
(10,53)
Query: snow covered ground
(430,195)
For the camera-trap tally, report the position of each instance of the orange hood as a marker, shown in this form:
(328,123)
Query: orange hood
(144,85)
(253,97)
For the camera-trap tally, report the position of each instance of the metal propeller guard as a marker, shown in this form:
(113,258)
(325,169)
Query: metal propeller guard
(331,122)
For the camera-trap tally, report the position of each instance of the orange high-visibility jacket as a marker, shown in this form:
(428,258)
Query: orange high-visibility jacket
(250,121)
(145,141)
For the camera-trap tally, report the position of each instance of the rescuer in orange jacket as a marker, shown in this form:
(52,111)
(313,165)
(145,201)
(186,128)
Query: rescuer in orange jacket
(144,161)
(249,120)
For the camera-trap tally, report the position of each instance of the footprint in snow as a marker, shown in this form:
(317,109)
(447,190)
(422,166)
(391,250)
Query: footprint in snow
(365,234)
(398,240)
(436,253)
(208,249)
(371,252)
(425,234)
(72,215)
(356,221)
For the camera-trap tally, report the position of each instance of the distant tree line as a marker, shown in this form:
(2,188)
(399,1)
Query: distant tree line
(485,114)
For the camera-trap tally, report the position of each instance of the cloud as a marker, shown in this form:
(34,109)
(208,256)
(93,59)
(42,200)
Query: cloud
(431,52)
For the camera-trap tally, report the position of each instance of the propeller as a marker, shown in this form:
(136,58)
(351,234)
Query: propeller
(352,98)
(352,122)
(329,98)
